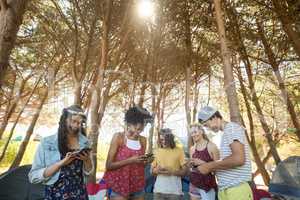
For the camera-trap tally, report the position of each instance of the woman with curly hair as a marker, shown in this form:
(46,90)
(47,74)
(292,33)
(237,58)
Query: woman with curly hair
(126,158)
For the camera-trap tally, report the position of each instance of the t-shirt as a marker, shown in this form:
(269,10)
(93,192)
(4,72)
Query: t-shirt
(235,176)
(173,160)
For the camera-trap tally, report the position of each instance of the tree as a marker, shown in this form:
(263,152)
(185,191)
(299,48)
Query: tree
(229,83)
(11,15)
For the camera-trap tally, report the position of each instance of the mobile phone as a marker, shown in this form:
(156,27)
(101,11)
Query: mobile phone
(149,155)
(82,150)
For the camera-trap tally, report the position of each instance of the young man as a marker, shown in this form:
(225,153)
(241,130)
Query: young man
(233,170)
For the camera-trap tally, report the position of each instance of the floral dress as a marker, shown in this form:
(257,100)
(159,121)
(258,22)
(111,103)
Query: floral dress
(70,184)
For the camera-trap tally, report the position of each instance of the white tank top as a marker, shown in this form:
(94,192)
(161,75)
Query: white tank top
(133,144)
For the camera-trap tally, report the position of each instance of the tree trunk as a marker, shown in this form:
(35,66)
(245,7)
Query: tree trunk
(252,142)
(11,16)
(77,93)
(12,107)
(275,66)
(254,98)
(188,63)
(96,95)
(143,89)
(229,84)
(29,132)
(17,120)
(287,25)
(79,75)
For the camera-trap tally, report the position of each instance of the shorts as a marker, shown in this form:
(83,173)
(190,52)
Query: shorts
(239,192)
(202,194)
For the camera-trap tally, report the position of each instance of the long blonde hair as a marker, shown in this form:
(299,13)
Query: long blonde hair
(200,128)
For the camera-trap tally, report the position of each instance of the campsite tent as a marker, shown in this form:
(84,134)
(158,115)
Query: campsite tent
(286,179)
(15,185)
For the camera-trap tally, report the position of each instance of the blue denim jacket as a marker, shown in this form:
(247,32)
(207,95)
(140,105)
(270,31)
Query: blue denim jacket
(47,154)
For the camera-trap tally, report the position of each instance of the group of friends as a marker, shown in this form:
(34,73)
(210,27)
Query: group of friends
(63,161)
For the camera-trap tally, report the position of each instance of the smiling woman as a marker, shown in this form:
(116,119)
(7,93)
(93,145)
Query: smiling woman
(145,8)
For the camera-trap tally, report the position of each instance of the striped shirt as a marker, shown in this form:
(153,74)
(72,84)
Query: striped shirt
(235,176)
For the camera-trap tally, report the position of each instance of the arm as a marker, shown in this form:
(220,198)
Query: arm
(114,145)
(36,173)
(213,151)
(181,172)
(88,164)
(52,169)
(39,171)
(183,166)
(237,158)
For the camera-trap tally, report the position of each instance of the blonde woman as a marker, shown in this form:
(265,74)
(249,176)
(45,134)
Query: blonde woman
(202,186)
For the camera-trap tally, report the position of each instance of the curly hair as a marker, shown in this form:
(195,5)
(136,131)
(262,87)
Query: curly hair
(62,127)
(137,115)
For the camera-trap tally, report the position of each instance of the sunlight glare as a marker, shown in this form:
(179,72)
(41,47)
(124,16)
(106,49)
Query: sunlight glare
(145,8)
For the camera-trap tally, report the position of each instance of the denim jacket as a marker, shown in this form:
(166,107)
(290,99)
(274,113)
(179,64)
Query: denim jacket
(46,155)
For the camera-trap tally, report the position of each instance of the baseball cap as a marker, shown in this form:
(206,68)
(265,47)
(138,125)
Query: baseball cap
(205,113)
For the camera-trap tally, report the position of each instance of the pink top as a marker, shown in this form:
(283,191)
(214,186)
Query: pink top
(129,178)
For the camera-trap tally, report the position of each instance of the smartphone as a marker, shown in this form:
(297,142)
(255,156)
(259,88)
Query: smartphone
(149,155)
(82,150)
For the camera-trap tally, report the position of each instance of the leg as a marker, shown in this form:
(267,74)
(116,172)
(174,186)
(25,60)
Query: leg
(210,195)
(158,196)
(194,192)
(192,197)
(140,195)
(116,196)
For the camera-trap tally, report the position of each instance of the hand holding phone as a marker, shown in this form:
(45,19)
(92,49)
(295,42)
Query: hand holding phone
(82,151)
(148,157)
(83,154)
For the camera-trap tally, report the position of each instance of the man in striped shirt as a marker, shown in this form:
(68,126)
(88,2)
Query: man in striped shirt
(233,170)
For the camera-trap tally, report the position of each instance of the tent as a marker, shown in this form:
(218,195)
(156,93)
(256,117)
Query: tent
(15,185)
(286,179)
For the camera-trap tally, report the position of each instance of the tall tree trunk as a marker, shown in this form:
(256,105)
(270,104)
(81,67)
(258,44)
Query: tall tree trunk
(11,16)
(287,24)
(143,89)
(188,63)
(77,93)
(79,75)
(195,96)
(29,132)
(17,120)
(254,98)
(12,107)
(252,142)
(96,95)
(229,84)
(275,66)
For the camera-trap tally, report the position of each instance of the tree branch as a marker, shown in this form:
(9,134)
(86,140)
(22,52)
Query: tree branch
(3,5)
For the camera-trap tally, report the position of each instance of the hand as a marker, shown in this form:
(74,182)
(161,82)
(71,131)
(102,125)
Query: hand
(85,156)
(164,171)
(148,159)
(204,168)
(196,162)
(136,159)
(67,159)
